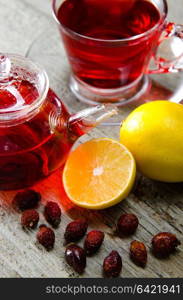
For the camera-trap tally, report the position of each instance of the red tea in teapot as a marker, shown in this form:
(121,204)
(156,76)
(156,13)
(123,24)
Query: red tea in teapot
(36,130)
(29,151)
(33,149)
(109,65)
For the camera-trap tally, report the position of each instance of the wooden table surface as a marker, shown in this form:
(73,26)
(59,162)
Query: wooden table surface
(159,206)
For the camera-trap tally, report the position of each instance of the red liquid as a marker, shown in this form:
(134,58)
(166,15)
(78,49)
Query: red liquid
(102,64)
(32,150)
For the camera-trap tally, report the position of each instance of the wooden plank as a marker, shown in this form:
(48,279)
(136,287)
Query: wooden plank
(158,206)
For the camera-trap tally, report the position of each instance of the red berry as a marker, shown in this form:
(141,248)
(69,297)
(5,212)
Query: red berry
(52,213)
(93,241)
(138,253)
(26,200)
(112,264)
(46,237)
(75,230)
(164,243)
(127,224)
(76,258)
(29,219)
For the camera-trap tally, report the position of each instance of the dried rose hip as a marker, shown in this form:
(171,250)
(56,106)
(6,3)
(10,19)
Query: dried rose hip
(29,219)
(127,224)
(93,241)
(164,243)
(26,200)
(75,230)
(46,237)
(112,264)
(52,213)
(138,253)
(76,258)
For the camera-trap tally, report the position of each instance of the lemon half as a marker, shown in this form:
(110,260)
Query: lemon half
(99,173)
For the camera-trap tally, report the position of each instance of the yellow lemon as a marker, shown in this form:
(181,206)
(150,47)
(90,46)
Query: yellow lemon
(99,173)
(154,134)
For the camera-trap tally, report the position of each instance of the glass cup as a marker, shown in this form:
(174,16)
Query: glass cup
(116,71)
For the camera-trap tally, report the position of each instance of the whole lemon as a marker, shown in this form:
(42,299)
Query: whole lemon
(153,133)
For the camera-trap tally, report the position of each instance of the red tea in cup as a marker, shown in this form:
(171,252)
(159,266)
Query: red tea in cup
(111,66)
(109,44)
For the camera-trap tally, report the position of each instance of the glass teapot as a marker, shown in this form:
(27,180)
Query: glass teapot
(36,129)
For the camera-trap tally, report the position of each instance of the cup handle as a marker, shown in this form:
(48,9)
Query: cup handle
(169,54)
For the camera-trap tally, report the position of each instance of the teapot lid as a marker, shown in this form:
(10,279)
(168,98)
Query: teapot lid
(23,88)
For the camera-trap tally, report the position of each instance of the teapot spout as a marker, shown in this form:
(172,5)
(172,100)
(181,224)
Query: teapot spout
(85,120)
